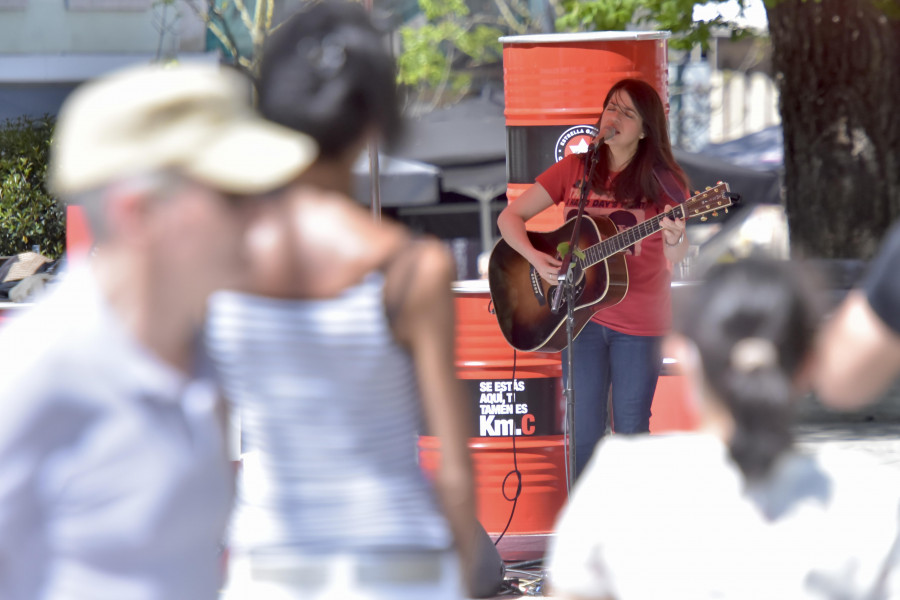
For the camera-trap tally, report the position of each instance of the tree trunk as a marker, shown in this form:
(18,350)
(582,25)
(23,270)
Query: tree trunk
(837,63)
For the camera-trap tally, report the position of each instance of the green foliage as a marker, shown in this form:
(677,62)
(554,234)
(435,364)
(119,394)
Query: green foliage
(481,44)
(612,15)
(28,215)
(424,59)
(440,9)
(437,55)
(675,16)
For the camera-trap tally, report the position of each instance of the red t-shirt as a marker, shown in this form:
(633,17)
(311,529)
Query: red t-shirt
(646,308)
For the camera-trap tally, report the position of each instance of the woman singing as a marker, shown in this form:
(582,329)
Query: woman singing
(634,179)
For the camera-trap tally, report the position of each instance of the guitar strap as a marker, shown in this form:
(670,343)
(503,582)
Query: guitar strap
(667,182)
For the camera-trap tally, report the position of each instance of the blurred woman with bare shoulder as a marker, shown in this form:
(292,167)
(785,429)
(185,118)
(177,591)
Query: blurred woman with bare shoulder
(339,350)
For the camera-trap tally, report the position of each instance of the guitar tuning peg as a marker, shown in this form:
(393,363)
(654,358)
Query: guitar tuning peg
(708,188)
(715,213)
(704,218)
(726,211)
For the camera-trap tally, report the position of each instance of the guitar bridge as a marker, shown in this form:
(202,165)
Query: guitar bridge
(536,287)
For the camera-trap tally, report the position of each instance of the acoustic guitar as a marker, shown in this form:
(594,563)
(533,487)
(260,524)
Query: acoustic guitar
(522,298)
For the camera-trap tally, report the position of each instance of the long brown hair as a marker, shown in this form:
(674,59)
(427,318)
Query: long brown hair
(638,183)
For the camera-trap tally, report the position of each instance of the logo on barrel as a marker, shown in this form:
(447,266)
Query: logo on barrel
(508,407)
(575,140)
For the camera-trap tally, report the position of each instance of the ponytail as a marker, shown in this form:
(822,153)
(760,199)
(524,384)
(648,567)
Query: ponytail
(753,323)
(760,403)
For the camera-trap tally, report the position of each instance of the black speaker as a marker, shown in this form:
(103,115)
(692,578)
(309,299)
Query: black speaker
(486,576)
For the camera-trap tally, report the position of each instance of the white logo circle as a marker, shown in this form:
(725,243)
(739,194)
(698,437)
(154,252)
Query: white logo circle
(575,140)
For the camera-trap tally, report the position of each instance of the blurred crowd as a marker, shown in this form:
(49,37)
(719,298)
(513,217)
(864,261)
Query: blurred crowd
(233,277)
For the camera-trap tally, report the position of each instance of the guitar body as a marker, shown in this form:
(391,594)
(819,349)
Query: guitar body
(522,298)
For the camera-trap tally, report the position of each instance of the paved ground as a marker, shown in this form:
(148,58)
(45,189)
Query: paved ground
(874,430)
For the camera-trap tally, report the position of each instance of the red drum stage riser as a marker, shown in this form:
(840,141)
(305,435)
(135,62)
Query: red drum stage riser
(484,363)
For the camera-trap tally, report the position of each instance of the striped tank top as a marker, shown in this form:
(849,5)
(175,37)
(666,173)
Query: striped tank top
(330,414)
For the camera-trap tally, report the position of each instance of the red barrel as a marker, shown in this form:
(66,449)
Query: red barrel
(554,87)
(673,408)
(518,421)
(78,235)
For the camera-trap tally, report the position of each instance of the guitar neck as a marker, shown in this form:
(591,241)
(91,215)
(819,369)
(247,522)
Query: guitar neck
(625,239)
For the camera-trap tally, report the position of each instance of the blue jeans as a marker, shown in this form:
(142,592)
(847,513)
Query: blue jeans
(605,358)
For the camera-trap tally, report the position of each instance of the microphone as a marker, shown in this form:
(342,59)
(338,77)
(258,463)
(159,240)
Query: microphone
(603,136)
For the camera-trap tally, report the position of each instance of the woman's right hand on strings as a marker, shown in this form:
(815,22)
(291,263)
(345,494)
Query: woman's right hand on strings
(512,227)
(547,266)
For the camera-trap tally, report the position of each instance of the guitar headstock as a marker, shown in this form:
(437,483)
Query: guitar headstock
(712,200)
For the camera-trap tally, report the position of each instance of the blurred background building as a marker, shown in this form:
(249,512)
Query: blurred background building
(448,177)
(47,47)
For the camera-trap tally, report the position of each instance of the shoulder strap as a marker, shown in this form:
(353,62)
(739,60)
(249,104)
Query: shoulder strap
(666,181)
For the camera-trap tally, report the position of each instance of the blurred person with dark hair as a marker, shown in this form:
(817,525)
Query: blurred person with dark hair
(860,346)
(733,510)
(616,357)
(338,350)
(114,477)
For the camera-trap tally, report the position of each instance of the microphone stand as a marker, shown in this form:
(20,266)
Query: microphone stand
(566,287)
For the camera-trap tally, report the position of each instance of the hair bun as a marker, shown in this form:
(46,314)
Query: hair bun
(752,353)
(326,58)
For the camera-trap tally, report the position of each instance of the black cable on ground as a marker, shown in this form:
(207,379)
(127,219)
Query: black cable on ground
(526,564)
